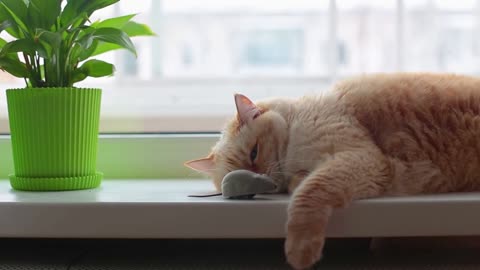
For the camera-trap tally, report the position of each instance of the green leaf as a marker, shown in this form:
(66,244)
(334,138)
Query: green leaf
(124,23)
(114,36)
(75,8)
(93,68)
(43,13)
(71,11)
(74,23)
(50,41)
(117,22)
(131,29)
(13,31)
(103,47)
(14,67)
(27,46)
(2,42)
(19,8)
(18,26)
(78,76)
(5,25)
(84,54)
(134,29)
(94,5)
(19,45)
(85,37)
(52,38)
(97,68)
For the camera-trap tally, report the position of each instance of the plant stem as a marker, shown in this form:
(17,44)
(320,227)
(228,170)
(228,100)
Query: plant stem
(29,67)
(39,70)
(27,62)
(34,71)
(58,65)
(68,65)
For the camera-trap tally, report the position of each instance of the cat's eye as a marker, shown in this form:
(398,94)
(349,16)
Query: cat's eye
(253,154)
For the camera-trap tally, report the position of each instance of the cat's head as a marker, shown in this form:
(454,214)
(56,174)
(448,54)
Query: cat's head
(256,140)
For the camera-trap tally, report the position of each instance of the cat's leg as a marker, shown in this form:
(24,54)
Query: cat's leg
(348,176)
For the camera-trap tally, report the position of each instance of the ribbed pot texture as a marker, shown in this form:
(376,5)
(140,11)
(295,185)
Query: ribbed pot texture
(54,135)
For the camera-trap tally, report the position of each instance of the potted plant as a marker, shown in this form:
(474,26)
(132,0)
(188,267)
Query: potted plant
(53,124)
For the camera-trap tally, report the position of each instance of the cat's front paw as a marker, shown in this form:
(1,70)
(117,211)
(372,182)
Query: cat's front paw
(304,245)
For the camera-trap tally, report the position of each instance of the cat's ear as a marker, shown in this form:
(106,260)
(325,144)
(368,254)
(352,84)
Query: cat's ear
(204,165)
(246,109)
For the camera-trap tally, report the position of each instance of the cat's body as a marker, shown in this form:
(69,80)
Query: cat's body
(427,125)
(397,134)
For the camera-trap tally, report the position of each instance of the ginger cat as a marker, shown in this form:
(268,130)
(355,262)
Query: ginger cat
(375,135)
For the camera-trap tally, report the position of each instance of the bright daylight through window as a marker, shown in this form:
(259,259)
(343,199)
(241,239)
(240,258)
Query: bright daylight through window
(205,51)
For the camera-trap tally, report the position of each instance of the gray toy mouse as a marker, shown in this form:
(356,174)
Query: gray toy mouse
(244,184)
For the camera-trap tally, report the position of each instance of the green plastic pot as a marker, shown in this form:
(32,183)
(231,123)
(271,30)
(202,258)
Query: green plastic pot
(54,138)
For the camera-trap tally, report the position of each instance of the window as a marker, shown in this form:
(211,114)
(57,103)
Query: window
(444,34)
(366,30)
(268,50)
(204,51)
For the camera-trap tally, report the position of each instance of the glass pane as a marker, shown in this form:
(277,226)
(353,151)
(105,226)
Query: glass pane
(366,36)
(243,38)
(442,36)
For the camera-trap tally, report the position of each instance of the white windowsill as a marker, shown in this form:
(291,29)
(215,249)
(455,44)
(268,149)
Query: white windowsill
(161,209)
